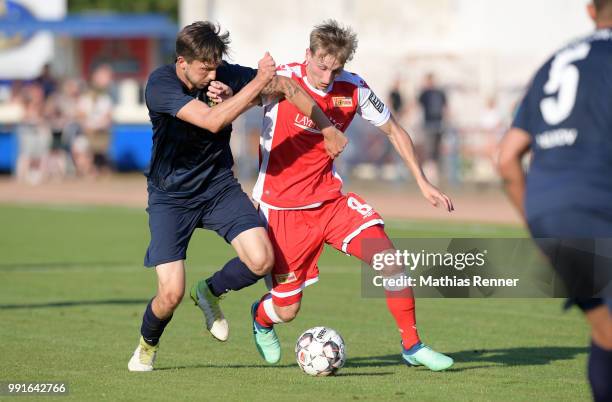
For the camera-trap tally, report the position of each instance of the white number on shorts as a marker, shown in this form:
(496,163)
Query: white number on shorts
(363,209)
(563,78)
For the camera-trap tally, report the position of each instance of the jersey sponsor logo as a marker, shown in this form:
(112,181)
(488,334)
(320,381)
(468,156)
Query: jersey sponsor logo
(285,278)
(377,103)
(342,101)
(556,138)
(364,209)
(306,123)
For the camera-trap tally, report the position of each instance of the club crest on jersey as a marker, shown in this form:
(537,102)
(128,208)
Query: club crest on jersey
(342,101)
(377,103)
(285,278)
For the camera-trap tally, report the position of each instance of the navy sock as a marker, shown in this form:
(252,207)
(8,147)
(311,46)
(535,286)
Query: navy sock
(600,373)
(234,275)
(152,327)
(414,348)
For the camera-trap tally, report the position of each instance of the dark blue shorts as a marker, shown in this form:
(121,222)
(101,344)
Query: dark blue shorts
(228,211)
(574,240)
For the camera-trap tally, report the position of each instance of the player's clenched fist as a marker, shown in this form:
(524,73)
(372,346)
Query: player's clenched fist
(218,92)
(335,141)
(266,68)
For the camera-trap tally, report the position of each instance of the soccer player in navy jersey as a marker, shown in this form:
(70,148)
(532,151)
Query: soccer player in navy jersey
(190,181)
(565,119)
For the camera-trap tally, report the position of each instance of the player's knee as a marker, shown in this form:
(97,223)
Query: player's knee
(171,298)
(392,270)
(261,262)
(602,335)
(288,313)
(385,261)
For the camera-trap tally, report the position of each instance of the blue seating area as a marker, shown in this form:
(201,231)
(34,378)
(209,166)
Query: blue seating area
(8,151)
(130,147)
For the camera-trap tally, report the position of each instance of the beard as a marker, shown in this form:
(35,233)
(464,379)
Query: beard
(196,84)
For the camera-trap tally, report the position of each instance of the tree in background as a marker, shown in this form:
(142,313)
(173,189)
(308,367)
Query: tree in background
(168,7)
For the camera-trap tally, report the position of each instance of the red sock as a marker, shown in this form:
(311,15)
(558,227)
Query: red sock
(401,305)
(261,316)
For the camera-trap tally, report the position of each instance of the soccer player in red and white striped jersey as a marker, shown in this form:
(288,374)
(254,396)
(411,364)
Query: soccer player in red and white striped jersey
(300,194)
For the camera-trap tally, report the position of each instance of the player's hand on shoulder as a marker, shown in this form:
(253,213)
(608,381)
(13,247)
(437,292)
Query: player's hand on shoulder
(218,92)
(436,197)
(266,68)
(335,141)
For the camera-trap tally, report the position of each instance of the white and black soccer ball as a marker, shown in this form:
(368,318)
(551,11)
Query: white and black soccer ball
(320,351)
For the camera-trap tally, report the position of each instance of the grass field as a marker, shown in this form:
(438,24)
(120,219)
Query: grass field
(72,292)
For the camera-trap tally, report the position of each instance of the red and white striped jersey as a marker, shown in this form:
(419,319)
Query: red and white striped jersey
(295,172)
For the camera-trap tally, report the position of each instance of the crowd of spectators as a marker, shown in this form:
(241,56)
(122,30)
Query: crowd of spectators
(65,126)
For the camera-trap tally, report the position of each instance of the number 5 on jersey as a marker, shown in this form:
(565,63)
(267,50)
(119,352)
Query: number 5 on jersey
(562,78)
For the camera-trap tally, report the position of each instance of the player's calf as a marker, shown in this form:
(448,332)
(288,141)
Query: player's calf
(170,288)
(600,319)
(287,313)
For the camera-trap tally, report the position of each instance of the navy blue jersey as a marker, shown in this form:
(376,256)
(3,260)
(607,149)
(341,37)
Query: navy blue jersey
(185,157)
(567,111)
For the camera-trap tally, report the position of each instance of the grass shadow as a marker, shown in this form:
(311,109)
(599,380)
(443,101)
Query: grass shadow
(38,266)
(75,303)
(267,366)
(227,366)
(520,356)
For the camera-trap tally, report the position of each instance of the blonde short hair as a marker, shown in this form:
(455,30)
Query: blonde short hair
(334,39)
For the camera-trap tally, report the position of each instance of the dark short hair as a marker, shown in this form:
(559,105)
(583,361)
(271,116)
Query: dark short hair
(601,5)
(202,41)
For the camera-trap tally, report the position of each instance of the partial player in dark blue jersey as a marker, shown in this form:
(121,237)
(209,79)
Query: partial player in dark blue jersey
(565,119)
(190,182)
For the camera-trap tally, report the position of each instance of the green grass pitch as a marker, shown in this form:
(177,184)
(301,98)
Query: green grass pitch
(72,293)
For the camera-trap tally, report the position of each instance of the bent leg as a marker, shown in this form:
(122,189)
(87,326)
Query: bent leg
(255,259)
(235,219)
(400,299)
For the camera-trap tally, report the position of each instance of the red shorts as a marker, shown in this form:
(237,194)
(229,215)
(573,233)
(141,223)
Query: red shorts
(298,237)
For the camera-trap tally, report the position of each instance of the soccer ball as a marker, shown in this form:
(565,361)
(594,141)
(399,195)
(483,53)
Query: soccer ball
(319,351)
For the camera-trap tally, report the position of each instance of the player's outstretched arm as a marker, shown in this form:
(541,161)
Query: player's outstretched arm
(280,86)
(214,119)
(512,148)
(405,148)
